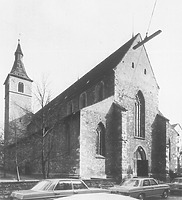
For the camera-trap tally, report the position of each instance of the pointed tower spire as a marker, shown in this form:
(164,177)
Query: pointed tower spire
(18,68)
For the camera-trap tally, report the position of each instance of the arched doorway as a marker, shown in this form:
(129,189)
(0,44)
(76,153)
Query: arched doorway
(140,162)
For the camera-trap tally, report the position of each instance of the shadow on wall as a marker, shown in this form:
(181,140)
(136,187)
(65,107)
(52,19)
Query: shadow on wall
(158,157)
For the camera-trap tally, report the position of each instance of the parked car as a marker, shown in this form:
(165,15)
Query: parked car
(55,188)
(176,185)
(98,196)
(141,188)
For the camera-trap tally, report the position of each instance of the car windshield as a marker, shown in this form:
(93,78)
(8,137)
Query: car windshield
(131,182)
(43,185)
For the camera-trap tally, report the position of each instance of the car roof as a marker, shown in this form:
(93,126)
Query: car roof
(142,178)
(61,179)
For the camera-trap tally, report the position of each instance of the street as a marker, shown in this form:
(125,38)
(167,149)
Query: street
(171,197)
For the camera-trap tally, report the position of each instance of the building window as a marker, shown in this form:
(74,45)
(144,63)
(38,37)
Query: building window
(145,71)
(83,100)
(67,132)
(20,87)
(100,140)
(140,115)
(69,107)
(99,93)
(168,147)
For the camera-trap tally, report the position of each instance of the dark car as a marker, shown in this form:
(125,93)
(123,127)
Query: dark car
(55,188)
(176,185)
(141,188)
(100,196)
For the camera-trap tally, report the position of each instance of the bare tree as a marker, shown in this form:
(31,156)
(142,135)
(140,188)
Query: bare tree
(43,97)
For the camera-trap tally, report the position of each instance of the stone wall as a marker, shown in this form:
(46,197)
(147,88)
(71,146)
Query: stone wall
(135,74)
(62,143)
(91,164)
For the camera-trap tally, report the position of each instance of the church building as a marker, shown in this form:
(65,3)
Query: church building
(106,124)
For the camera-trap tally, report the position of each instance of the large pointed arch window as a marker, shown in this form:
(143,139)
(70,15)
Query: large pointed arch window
(20,87)
(140,115)
(100,141)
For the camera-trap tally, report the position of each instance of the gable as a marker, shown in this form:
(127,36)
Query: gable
(135,71)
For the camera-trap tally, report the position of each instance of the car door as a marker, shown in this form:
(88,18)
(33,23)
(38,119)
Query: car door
(63,188)
(147,188)
(79,187)
(156,190)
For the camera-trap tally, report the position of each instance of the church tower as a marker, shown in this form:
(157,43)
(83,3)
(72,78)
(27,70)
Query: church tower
(18,89)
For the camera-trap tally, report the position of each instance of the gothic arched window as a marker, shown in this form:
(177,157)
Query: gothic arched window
(68,136)
(83,100)
(99,96)
(69,107)
(20,87)
(140,115)
(100,141)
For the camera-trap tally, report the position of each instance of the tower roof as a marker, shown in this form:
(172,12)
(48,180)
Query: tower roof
(18,50)
(18,68)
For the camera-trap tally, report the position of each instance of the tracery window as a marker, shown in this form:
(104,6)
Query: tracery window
(100,140)
(140,115)
(20,87)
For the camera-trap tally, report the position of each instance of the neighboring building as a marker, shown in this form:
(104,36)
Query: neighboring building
(18,95)
(107,124)
(178,129)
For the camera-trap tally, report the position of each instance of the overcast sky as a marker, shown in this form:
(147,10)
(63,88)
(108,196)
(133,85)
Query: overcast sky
(64,39)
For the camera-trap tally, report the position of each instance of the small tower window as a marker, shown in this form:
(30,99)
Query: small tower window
(145,71)
(133,64)
(20,87)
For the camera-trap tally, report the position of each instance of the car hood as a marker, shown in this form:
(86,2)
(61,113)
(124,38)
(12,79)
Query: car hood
(29,194)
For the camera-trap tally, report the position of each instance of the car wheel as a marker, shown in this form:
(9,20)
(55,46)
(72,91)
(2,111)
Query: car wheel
(141,196)
(165,194)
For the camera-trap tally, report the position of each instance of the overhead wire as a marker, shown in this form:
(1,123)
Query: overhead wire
(142,48)
(151,17)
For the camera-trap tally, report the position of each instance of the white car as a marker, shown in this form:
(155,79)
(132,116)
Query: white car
(97,196)
(55,188)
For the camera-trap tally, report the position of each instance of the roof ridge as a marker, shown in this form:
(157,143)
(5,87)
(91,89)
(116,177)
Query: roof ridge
(102,68)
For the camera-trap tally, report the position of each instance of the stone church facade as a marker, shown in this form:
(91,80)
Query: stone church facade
(107,124)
